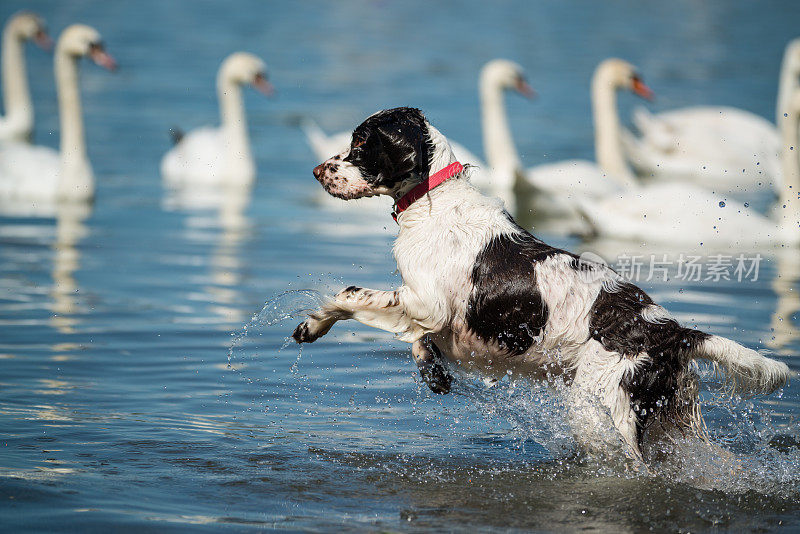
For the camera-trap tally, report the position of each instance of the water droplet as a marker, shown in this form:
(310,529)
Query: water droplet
(721,204)
(746,204)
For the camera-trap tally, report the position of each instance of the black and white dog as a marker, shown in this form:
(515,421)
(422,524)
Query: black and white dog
(482,292)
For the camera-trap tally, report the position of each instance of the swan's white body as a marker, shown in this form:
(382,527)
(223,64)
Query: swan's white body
(17,123)
(723,148)
(35,170)
(675,213)
(201,157)
(685,213)
(38,174)
(574,178)
(220,156)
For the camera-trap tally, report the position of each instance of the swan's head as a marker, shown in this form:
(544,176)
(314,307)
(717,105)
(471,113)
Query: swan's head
(80,40)
(28,26)
(502,74)
(242,68)
(619,74)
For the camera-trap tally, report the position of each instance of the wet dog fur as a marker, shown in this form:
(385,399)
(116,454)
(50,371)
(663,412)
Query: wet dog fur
(483,293)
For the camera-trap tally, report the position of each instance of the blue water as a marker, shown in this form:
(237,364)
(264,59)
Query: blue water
(119,406)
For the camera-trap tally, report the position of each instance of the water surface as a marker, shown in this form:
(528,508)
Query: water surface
(118,408)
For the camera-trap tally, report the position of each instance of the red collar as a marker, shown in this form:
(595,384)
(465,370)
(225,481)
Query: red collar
(420,190)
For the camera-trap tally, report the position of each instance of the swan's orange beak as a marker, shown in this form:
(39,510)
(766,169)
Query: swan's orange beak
(102,58)
(525,89)
(43,40)
(639,88)
(261,85)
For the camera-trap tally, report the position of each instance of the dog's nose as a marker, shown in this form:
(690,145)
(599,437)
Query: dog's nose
(318,170)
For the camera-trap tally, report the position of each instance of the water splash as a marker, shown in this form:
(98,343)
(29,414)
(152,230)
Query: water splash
(534,410)
(749,450)
(292,304)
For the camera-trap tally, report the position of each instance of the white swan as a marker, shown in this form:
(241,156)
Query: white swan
(498,176)
(17,124)
(39,174)
(565,182)
(220,156)
(724,148)
(685,213)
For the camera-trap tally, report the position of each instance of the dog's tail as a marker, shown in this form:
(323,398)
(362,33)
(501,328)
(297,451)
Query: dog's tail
(745,370)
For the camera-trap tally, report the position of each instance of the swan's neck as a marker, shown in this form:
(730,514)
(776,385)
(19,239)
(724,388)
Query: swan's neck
(608,132)
(16,96)
(790,160)
(75,179)
(234,125)
(498,143)
(789,79)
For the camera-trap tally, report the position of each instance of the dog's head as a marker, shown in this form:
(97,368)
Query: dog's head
(389,153)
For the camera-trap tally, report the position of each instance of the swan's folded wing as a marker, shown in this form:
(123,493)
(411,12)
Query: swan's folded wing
(571,180)
(28,171)
(197,158)
(655,131)
(679,214)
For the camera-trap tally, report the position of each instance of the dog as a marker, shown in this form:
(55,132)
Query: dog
(483,293)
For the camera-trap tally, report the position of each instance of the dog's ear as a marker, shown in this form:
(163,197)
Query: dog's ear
(359,138)
(420,141)
(384,168)
(391,147)
(404,146)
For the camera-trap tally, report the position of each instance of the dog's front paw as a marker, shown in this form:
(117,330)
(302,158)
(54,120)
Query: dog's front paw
(429,362)
(436,376)
(302,334)
(309,331)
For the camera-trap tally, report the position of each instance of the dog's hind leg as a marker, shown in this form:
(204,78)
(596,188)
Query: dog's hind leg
(601,426)
(601,414)
(429,361)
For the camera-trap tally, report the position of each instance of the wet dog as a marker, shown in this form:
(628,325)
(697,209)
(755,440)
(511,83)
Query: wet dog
(481,292)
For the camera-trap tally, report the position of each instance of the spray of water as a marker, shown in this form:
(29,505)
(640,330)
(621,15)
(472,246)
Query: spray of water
(288,305)
(750,449)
